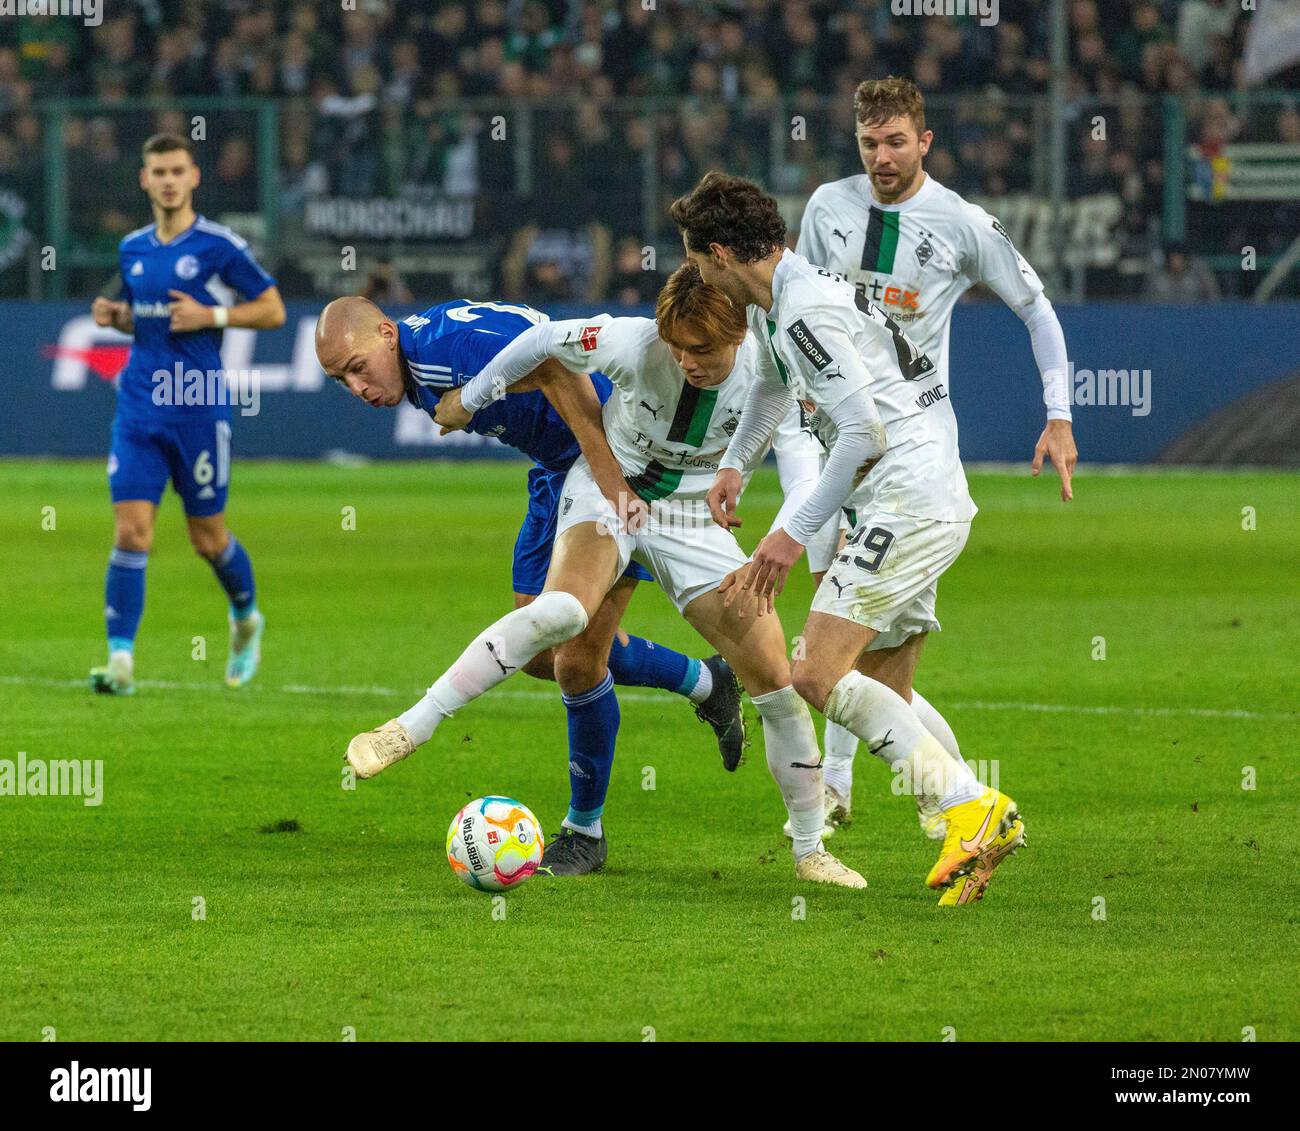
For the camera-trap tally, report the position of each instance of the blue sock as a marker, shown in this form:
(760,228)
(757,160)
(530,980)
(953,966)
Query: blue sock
(235,572)
(593,726)
(124,597)
(643,663)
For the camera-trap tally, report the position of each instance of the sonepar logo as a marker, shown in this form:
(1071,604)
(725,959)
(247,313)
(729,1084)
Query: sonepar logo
(804,339)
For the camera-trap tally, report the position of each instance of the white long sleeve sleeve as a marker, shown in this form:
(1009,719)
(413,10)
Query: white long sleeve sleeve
(765,408)
(1048,340)
(798,464)
(859,440)
(515,361)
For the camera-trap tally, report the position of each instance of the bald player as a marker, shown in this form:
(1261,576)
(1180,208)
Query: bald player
(551,421)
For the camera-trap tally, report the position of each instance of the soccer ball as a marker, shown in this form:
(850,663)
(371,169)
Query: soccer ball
(494,843)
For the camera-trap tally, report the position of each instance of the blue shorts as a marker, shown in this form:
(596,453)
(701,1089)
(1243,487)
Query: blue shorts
(193,454)
(537,534)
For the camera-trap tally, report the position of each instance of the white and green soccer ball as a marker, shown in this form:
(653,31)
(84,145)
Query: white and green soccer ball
(494,843)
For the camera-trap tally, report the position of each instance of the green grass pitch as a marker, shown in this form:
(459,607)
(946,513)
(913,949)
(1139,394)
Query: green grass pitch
(1129,771)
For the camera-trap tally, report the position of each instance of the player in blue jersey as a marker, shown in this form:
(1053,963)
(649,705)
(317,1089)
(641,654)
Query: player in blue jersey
(552,421)
(173,402)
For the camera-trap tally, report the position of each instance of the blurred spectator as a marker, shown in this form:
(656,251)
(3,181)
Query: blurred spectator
(363,97)
(1181,280)
(630,283)
(384,286)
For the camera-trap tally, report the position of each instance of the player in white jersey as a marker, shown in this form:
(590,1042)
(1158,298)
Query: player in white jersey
(914,247)
(680,382)
(894,432)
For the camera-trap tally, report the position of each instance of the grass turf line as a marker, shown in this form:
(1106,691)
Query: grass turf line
(355,920)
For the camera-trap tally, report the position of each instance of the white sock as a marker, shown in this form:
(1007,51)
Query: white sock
(703,685)
(498,651)
(595,830)
(883,720)
(790,742)
(935,723)
(837,767)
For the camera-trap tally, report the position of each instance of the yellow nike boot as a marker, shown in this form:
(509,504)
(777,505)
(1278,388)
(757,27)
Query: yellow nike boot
(981,833)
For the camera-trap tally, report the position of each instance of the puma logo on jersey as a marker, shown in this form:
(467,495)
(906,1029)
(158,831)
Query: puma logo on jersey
(652,411)
(836,373)
(839,586)
(843,236)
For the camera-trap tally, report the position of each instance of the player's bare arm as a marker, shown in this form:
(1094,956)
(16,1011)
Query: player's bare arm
(1057,444)
(265,312)
(115,313)
(574,398)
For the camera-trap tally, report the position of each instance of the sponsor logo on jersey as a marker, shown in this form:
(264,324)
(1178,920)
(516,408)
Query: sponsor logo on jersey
(652,411)
(804,339)
(924,252)
(905,305)
(150,310)
(932,396)
(844,236)
(1002,232)
(137,268)
(587,338)
(187,267)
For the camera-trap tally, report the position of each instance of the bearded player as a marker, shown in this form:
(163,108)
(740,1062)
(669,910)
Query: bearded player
(914,247)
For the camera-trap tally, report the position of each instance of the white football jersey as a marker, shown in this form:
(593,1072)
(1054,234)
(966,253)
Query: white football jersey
(824,341)
(668,435)
(915,259)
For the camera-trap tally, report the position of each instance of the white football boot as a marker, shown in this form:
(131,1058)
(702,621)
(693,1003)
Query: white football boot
(836,808)
(117,677)
(822,868)
(376,750)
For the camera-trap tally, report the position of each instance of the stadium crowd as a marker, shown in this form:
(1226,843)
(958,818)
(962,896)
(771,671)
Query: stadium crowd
(371,104)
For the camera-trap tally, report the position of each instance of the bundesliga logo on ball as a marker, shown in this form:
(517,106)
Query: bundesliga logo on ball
(494,843)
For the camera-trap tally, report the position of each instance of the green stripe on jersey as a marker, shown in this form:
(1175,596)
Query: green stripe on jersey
(656,481)
(780,365)
(694,411)
(881,244)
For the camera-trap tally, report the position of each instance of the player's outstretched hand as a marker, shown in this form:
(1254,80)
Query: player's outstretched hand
(771,565)
(107,312)
(188,314)
(450,413)
(1057,444)
(733,588)
(723,497)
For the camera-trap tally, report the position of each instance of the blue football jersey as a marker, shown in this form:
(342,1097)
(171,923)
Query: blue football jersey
(449,344)
(194,262)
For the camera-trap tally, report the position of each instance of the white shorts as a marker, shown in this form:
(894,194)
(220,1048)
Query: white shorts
(825,543)
(887,575)
(688,553)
